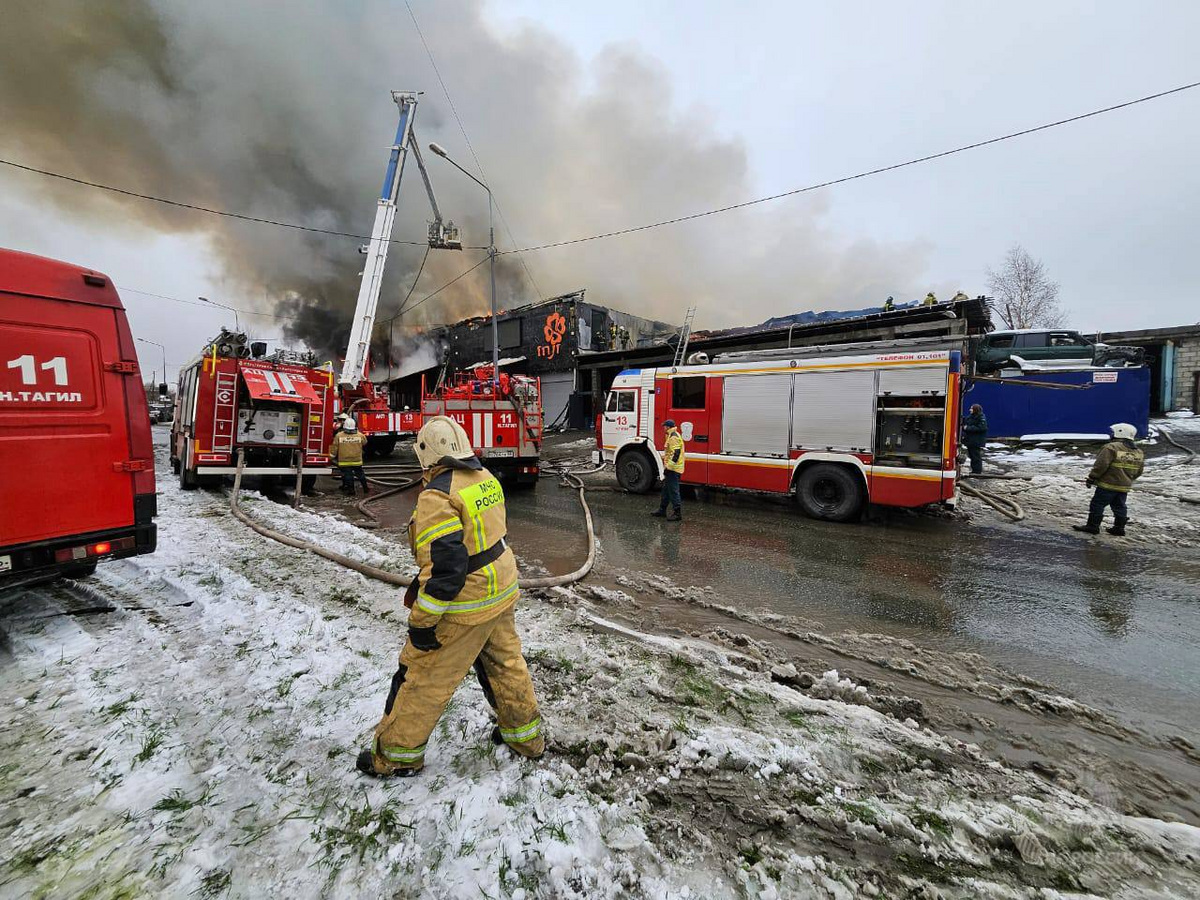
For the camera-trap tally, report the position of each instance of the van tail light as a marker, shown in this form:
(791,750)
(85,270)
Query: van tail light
(599,431)
(100,548)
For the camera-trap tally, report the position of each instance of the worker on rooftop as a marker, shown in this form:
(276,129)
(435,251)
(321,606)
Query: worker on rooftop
(462,602)
(930,300)
(1118,464)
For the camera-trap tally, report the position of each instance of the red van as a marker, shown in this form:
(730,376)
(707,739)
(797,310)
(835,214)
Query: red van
(76,456)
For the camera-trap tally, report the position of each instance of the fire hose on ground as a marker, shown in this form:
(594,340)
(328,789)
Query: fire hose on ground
(1006,506)
(571,479)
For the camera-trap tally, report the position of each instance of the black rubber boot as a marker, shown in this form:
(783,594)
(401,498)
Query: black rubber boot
(676,515)
(1092,526)
(498,740)
(1118,528)
(366,764)
(658,513)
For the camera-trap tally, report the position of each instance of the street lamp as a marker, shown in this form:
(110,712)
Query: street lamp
(164,353)
(236,323)
(441,151)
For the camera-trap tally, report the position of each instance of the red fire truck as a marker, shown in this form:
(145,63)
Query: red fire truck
(234,401)
(382,425)
(76,461)
(505,426)
(838,427)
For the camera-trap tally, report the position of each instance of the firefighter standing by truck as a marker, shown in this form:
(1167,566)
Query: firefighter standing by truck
(347,452)
(674,459)
(1118,464)
(462,611)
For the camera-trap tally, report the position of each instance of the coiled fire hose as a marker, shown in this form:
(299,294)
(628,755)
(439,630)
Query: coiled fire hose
(571,479)
(1006,506)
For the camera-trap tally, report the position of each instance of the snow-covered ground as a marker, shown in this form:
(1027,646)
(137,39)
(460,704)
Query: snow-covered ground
(1055,492)
(199,741)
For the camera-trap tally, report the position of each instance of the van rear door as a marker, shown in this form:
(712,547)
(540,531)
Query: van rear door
(64,435)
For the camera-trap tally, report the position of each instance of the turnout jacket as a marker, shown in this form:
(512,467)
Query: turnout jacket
(674,455)
(347,448)
(457,533)
(1117,465)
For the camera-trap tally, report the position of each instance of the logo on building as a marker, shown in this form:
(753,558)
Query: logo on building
(554,330)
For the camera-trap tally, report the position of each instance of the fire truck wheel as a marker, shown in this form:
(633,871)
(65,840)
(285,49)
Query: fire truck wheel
(187,481)
(636,472)
(830,492)
(380,446)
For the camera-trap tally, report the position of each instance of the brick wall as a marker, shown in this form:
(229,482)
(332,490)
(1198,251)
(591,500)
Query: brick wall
(1187,364)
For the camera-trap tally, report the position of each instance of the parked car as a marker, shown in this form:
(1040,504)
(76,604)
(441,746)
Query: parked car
(1042,345)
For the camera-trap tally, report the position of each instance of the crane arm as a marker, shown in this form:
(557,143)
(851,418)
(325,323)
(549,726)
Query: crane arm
(376,251)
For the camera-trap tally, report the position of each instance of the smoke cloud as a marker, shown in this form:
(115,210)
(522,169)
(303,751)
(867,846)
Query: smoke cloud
(284,113)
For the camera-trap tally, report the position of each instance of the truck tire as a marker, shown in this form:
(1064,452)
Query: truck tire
(636,471)
(378,447)
(187,481)
(830,492)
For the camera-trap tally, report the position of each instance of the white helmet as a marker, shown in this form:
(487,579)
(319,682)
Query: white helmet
(1124,431)
(348,424)
(441,436)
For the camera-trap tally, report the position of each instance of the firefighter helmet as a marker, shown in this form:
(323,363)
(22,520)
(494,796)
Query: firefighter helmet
(348,424)
(442,436)
(1124,431)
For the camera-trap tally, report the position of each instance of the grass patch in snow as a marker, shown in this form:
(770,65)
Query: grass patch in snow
(178,801)
(925,818)
(118,709)
(363,830)
(213,883)
(154,738)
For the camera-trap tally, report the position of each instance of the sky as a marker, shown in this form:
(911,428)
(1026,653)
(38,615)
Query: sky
(594,116)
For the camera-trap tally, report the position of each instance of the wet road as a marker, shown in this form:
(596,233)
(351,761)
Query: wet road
(1117,628)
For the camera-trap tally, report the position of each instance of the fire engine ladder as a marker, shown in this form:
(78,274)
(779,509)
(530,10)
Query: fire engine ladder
(224,410)
(685,334)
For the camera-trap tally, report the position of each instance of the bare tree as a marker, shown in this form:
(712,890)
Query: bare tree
(1025,296)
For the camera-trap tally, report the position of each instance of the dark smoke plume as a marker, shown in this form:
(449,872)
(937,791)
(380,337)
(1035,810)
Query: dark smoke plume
(284,113)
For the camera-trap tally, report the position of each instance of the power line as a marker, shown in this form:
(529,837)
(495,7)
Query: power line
(446,285)
(205,209)
(471,147)
(846,178)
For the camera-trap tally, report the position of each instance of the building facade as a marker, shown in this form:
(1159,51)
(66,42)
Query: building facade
(1173,357)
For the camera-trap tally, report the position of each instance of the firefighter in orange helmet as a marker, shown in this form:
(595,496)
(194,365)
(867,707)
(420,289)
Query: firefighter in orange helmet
(462,611)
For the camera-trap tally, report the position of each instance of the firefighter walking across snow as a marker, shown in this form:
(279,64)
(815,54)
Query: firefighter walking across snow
(462,611)
(1118,464)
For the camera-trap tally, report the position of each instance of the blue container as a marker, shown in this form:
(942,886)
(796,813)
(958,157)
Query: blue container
(1016,408)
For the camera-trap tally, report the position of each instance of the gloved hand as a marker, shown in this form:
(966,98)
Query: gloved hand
(1089,482)
(424,638)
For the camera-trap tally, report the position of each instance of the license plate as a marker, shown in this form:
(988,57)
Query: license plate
(5,563)
(502,454)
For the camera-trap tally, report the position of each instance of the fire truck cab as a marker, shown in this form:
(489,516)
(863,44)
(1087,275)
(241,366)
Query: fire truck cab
(76,460)
(233,403)
(839,427)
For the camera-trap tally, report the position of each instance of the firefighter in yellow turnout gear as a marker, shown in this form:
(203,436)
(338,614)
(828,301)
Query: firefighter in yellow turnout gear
(462,616)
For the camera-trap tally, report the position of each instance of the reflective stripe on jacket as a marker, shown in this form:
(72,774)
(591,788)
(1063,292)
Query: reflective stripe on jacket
(1118,464)
(347,448)
(674,455)
(457,534)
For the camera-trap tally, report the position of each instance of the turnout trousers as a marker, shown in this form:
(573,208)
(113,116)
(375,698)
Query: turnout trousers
(1104,498)
(426,680)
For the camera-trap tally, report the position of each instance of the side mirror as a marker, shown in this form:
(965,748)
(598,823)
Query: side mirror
(162,390)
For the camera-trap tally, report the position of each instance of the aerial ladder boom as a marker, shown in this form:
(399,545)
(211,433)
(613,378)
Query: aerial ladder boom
(441,236)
